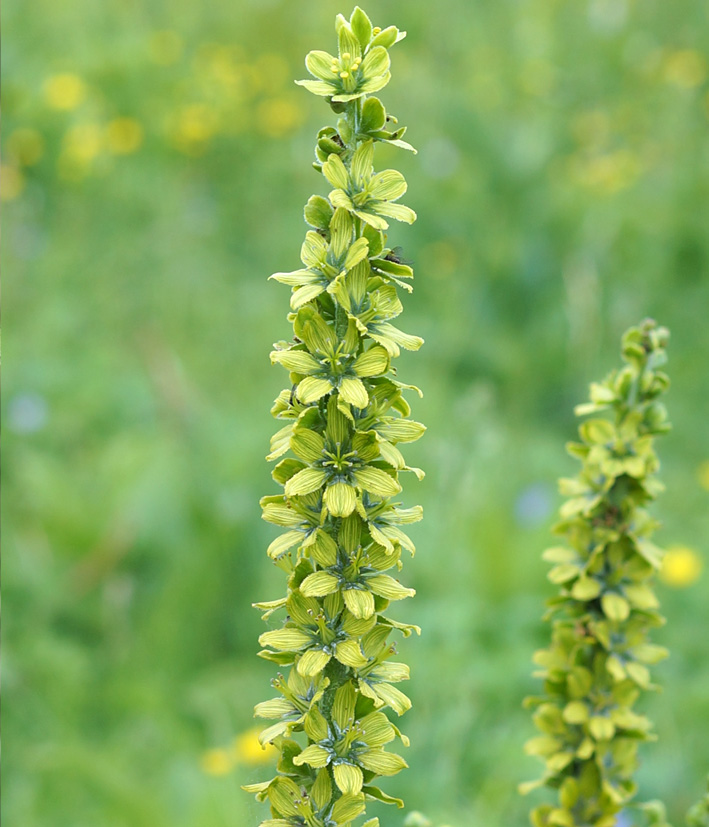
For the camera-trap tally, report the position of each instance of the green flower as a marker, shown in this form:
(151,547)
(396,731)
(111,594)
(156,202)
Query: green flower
(371,304)
(299,694)
(324,261)
(366,194)
(362,64)
(315,634)
(351,746)
(295,807)
(330,364)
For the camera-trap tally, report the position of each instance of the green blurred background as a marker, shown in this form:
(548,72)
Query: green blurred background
(156,161)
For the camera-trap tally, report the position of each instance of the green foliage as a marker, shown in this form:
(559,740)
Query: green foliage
(344,415)
(698,816)
(598,662)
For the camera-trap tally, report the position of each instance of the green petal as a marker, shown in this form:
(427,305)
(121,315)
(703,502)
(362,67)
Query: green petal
(282,793)
(273,709)
(361,167)
(319,584)
(296,278)
(361,27)
(388,587)
(286,541)
(319,64)
(382,763)
(343,706)
(387,185)
(376,481)
(296,360)
(285,640)
(339,198)
(348,652)
(396,211)
(340,232)
(318,87)
(356,254)
(352,390)
(313,250)
(314,755)
(322,790)
(305,294)
(336,172)
(311,389)
(371,218)
(348,778)
(313,662)
(305,481)
(323,549)
(307,445)
(373,362)
(347,808)
(315,725)
(375,84)
(376,63)
(359,601)
(340,499)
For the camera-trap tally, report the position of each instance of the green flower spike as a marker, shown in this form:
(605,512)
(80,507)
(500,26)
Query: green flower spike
(362,64)
(344,419)
(598,663)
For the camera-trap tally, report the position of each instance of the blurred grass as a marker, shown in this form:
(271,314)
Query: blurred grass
(156,160)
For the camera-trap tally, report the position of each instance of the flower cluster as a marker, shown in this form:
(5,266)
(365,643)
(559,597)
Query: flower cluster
(597,664)
(344,416)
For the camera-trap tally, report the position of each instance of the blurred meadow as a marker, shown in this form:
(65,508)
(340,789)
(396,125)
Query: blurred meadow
(156,159)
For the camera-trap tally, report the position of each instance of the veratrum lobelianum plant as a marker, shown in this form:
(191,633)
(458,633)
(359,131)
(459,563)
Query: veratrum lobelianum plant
(344,416)
(597,665)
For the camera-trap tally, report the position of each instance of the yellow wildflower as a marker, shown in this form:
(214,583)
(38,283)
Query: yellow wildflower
(248,750)
(608,173)
(216,762)
(278,116)
(195,125)
(12,183)
(685,68)
(26,145)
(124,135)
(165,47)
(681,567)
(82,144)
(703,474)
(65,91)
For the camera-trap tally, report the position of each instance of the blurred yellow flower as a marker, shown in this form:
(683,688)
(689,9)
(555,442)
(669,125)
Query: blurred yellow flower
(681,567)
(26,146)
(703,474)
(608,173)
(686,68)
(278,116)
(165,47)
(12,183)
(248,750)
(65,91)
(82,144)
(124,135)
(217,762)
(195,125)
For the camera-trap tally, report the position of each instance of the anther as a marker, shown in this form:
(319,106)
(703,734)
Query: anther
(344,74)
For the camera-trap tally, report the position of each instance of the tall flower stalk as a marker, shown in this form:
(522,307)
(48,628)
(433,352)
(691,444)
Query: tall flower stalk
(598,663)
(343,418)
